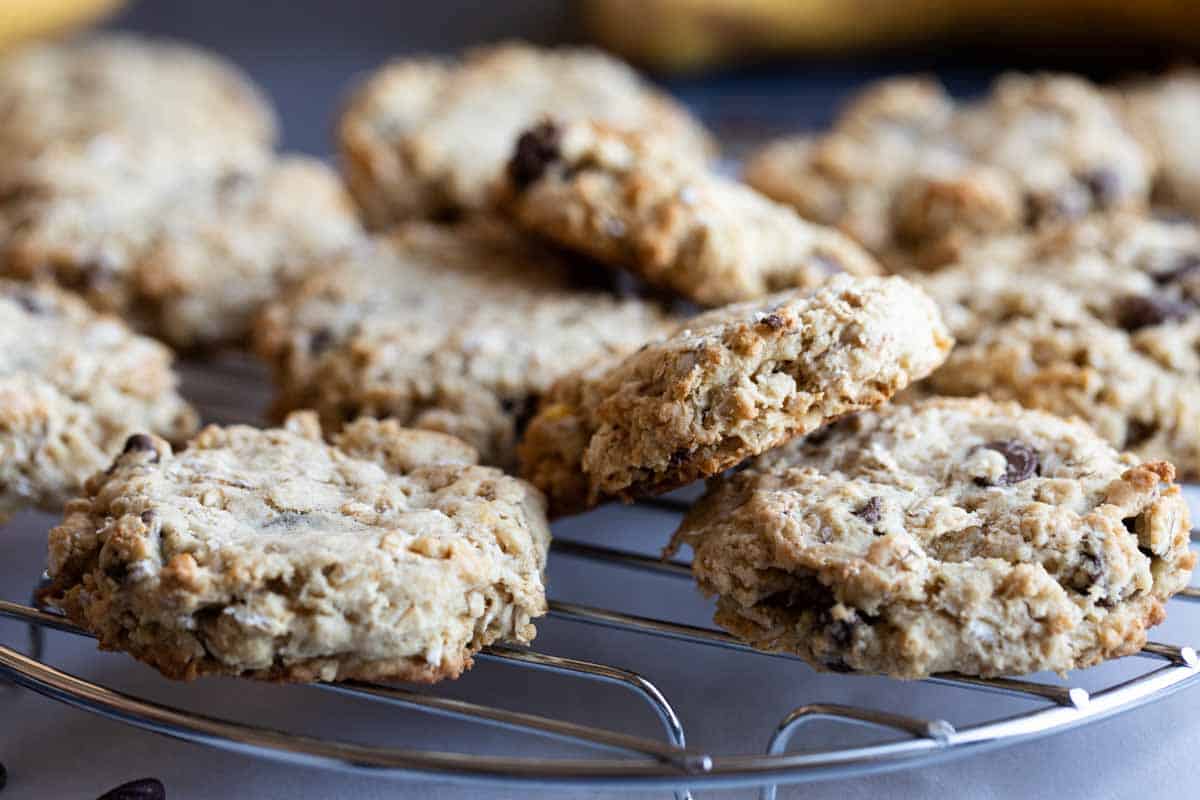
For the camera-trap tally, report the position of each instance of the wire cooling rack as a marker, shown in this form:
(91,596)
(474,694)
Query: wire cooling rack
(623,760)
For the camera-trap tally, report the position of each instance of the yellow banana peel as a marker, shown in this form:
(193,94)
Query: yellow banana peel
(691,34)
(26,19)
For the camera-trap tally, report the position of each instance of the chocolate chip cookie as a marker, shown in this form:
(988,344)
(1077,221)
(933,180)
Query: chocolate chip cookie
(74,385)
(952,535)
(914,176)
(726,385)
(428,138)
(270,554)
(457,328)
(1099,320)
(630,202)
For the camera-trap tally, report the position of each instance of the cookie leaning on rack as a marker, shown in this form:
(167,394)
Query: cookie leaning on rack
(725,385)
(271,554)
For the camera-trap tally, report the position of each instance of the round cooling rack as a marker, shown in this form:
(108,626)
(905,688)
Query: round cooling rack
(620,759)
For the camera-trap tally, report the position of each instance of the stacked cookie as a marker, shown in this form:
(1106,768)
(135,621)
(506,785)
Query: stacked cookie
(543,225)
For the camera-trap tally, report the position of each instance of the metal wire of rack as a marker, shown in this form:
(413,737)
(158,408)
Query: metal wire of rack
(628,761)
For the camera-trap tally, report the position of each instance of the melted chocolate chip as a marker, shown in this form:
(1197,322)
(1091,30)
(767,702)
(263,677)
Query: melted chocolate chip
(520,410)
(1139,432)
(1135,312)
(838,665)
(30,302)
(678,457)
(537,148)
(872,511)
(143,789)
(1104,185)
(841,632)
(1022,462)
(319,341)
(1090,569)
(772,321)
(1185,266)
(139,442)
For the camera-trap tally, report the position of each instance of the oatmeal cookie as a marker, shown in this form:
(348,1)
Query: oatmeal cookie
(74,385)
(455,328)
(726,385)
(1099,320)
(270,554)
(427,138)
(955,535)
(188,261)
(915,177)
(629,202)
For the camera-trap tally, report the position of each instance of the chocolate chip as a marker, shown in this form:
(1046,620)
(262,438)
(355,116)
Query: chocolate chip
(838,665)
(772,321)
(1104,184)
(30,302)
(872,512)
(139,442)
(841,632)
(536,149)
(143,789)
(1185,266)
(1090,569)
(233,181)
(320,340)
(678,457)
(1135,312)
(1130,524)
(521,410)
(1138,432)
(148,516)
(1022,462)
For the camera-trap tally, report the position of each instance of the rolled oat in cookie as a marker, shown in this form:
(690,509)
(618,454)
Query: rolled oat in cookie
(423,138)
(1099,319)
(729,384)
(74,384)
(457,328)
(915,177)
(629,201)
(270,554)
(956,535)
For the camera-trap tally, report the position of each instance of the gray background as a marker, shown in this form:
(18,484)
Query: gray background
(305,54)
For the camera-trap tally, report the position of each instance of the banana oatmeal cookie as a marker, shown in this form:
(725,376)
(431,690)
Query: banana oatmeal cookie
(953,535)
(270,554)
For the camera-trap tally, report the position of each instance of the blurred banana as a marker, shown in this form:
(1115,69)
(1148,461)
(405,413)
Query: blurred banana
(690,34)
(24,19)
